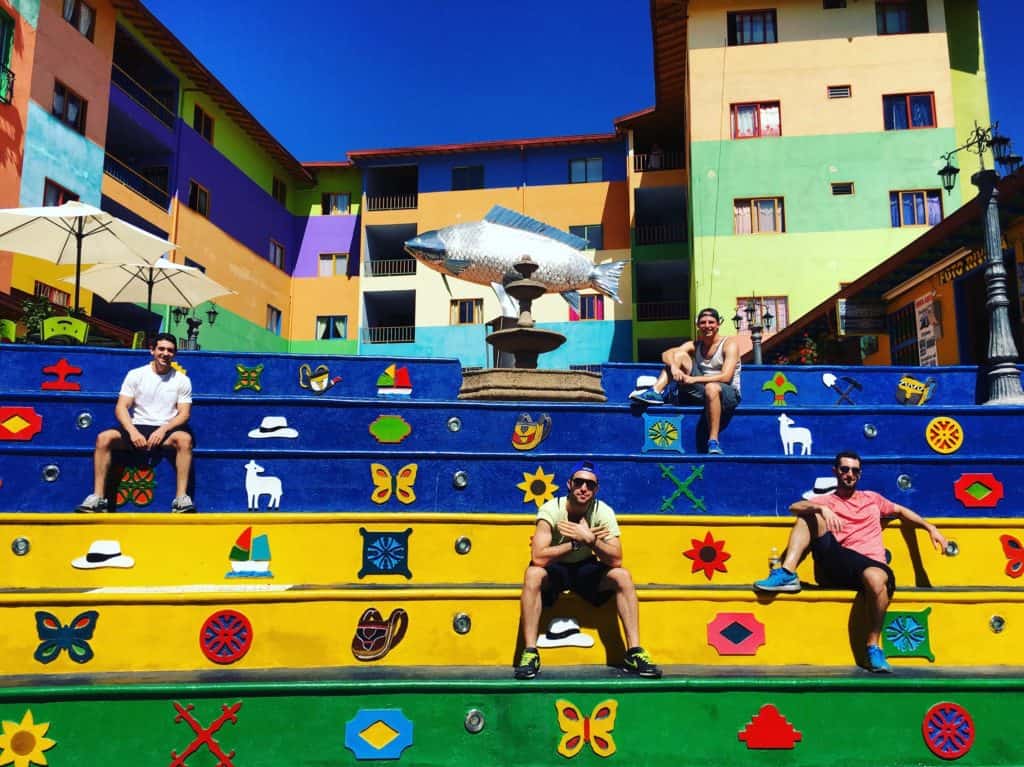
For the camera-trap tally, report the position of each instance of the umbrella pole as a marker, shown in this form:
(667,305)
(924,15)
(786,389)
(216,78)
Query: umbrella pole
(149,293)
(78,259)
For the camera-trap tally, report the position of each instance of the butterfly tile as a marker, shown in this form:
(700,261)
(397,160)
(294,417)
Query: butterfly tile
(400,484)
(580,730)
(74,637)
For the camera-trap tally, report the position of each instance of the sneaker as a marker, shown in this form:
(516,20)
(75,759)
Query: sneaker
(648,396)
(715,447)
(93,504)
(780,579)
(876,660)
(529,664)
(638,662)
(183,505)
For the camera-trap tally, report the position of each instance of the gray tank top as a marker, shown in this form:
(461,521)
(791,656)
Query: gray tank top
(714,363)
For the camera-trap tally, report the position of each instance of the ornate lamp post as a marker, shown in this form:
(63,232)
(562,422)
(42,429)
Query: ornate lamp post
(194,323)
(759,319)
(1003,378)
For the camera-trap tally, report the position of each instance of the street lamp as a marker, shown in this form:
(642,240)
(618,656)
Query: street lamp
(759,319)
(1003,378)
(194,323)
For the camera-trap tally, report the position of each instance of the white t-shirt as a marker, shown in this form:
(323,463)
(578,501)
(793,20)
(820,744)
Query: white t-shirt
(155,397)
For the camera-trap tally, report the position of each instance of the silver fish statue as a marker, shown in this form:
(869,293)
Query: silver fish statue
(485,252)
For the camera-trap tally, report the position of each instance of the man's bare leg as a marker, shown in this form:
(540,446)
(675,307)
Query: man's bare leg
(626,603)
(530,603)
(713,408)
(106,442)
(800,537)
(876,599)
(181,442)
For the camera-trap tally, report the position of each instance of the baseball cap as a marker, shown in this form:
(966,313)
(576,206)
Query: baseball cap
(585,466)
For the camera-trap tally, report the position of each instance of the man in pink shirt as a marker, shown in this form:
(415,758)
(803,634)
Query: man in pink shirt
(843,531)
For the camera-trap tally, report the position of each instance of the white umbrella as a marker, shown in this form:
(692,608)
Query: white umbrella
(80,234)
(163,282)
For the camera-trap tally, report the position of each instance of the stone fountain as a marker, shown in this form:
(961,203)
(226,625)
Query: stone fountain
(525,343)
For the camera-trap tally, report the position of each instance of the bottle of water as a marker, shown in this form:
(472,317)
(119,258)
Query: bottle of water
(773,560)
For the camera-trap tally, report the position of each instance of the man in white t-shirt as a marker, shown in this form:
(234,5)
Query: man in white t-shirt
(152,412)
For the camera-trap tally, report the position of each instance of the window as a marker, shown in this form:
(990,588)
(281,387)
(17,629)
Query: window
(332,327)
(68,107)
(901,17)
(752,120)
(758,216)
(467,311)
(198,198)
(332,264)
(274,320)
(751,27)
(777,305)
(839,91)
(55,194)
(830,5)
(584,170)
(202,123)
(81,16)
(592,233)
(921,207)
(6,44)
(840,188)
(335,203)
(591,308)
(468,177)
(195,264)
(275,254)
(279,191)
(53,295)
(903,111)
(903,345)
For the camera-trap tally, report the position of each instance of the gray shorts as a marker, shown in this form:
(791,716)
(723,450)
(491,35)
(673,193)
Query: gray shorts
(693,394)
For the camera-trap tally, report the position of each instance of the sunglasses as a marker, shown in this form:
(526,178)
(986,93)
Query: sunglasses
(578,482)
(855,471)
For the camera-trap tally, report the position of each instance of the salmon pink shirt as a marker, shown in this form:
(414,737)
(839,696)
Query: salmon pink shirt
(861,515)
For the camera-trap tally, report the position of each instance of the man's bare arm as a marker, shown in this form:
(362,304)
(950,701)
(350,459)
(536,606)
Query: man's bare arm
(938,539)
(731,357)
(541,550)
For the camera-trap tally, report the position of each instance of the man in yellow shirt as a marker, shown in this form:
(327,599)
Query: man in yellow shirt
(576,546)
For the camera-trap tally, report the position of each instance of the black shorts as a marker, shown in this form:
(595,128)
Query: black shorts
(583,578)
(145,431)
(693,394)
(838,567)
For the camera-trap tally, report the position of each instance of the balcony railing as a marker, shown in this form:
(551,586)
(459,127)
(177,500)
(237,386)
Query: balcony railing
(141,96)
(392,201)
(652,311)
(132,179)
(6,84)
(389,267)
(652,161)
(396,334)
(659,234)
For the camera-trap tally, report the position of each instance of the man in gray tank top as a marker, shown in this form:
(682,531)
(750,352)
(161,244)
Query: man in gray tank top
(705,372)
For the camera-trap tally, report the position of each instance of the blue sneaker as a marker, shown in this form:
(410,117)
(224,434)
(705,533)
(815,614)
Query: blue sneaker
(780,579)
(876,660)
(715,447)
(647,396)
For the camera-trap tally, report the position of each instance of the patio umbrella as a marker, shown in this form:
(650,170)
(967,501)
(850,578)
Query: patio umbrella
(163,282)
(77,233)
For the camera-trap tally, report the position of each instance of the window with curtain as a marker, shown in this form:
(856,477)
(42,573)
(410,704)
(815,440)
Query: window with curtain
(332,327)
(198,198)
(55,194)
(919,207)
(591,308)
(903,111)
(467,311)
(202,122)
(274,320)
(901,17)
(81,16)
(68,107)
(752,27)
(585,170)
(335,203)
(333,264)
(592,233)
(758,119)
(758,215)
(275,254)
(777,305)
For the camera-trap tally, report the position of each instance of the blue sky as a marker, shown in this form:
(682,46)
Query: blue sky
(326,78)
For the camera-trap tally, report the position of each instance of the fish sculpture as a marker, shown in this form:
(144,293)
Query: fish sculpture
(485,252)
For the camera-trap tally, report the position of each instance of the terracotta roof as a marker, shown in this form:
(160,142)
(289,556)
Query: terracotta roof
(176,52)
(626,120)
(482,146)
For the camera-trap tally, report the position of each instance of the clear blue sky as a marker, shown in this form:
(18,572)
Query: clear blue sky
(326,78)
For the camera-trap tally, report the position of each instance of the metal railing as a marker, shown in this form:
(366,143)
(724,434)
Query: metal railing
(652,161)
(141,96)
(392,201)
(397,334)
(389,267)
(6,84)
(135,181)
(650,311)
(658,234)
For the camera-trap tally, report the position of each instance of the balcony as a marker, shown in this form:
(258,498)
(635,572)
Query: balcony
(660,234)
(389,267)
(397,334)
(122,173)
(6,84)
(407,201)
(652,161)
(654,311)
(141,96)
